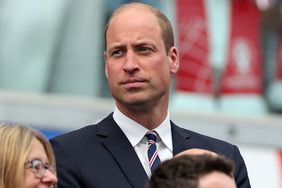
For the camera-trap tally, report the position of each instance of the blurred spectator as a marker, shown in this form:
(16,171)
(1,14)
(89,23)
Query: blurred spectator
(26,158)
(194,171)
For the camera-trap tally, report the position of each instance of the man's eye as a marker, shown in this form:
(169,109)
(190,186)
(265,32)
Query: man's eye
(144,49)
(117,53)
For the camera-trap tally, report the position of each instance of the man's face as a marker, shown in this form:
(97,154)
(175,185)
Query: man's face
(216,180)
(137,66)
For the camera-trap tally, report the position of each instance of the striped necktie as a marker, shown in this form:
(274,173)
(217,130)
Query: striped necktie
(153,157)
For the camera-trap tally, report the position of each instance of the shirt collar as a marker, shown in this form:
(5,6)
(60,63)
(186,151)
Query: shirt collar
(164,132)
(135,131)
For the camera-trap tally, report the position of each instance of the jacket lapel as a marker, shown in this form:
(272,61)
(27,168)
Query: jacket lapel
(123,152)
(179,139)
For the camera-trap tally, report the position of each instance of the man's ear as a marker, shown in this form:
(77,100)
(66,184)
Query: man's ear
(174,62)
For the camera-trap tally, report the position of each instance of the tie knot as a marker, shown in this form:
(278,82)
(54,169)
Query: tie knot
(152,136)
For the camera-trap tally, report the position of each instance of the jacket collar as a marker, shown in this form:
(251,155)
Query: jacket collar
(122,151)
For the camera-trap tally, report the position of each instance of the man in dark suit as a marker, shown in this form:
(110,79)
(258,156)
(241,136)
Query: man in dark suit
(140,58)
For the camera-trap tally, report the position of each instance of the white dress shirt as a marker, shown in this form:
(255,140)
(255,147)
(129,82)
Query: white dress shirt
(135,133)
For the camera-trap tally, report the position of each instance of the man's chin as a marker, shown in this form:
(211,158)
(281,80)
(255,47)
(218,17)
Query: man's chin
(134,102)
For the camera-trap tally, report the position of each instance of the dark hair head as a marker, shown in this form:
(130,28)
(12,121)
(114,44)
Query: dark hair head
(185,171)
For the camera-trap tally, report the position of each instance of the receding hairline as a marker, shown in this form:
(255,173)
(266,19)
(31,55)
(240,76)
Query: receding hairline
(135,5)
(128,6)
(162,20)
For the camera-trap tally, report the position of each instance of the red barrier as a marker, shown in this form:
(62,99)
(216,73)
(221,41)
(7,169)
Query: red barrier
(195,73)
(243,71)
(280,164)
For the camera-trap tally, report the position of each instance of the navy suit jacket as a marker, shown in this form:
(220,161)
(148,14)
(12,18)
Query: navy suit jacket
(100,156)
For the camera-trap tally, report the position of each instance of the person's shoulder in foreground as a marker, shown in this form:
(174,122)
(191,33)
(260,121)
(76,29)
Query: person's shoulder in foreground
(194,171)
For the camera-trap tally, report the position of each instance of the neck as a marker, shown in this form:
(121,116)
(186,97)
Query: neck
(149,117)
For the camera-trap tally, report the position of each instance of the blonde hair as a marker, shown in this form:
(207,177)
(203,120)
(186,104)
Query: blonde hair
(163,21)
(15,143)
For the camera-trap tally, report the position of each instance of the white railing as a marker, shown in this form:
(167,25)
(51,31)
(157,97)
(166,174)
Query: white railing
(68,113)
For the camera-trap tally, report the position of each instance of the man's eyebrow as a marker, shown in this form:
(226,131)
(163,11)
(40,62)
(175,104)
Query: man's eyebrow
(115,46)
(143,42)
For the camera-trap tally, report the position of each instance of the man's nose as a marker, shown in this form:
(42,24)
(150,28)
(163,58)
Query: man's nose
(130,62)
